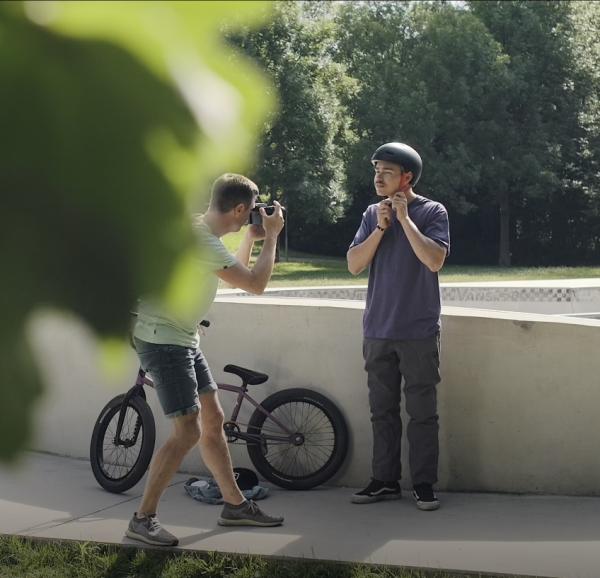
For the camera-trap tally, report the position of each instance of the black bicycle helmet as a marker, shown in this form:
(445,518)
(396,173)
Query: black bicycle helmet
(401,154)
(245,478)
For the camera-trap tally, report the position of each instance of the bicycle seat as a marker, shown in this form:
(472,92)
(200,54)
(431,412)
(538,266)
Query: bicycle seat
(247,375)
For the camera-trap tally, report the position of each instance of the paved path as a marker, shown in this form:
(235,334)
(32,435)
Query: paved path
(55,497)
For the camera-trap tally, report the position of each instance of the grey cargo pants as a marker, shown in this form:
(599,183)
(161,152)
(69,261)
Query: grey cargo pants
(418,361)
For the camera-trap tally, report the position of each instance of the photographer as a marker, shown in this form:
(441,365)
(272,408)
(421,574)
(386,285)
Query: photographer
(168,349)
(404,240)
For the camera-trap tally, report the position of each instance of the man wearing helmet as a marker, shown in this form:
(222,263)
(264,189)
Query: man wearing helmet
(404,240)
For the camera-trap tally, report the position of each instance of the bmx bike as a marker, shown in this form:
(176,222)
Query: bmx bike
(296,438)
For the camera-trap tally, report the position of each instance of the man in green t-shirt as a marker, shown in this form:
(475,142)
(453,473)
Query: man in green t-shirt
(168,349)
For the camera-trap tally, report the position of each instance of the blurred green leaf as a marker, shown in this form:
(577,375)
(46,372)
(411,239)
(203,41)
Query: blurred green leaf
(114,116)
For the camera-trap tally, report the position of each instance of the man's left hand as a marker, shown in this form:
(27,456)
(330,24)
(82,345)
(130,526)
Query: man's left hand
(255,232)
(400,205)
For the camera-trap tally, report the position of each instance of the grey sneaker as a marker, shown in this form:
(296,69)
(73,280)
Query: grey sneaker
(247,514)
(150,530)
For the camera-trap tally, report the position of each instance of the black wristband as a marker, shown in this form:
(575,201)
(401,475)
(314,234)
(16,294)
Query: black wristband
(380,227)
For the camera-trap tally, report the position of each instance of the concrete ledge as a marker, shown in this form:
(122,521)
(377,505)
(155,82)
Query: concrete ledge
(518,402)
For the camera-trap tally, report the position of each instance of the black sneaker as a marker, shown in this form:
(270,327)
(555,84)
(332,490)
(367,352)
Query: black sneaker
(425,497)
(377,491)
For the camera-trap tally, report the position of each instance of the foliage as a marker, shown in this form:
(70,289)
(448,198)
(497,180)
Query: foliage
(437,65)
(302,147)
(541,203)
(500,98)
(109,127)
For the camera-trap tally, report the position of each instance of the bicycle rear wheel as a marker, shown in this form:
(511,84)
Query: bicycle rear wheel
(316,450)
(119,467)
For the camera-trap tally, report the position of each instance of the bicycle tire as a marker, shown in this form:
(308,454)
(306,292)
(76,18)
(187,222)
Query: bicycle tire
(102,444)
(291,405)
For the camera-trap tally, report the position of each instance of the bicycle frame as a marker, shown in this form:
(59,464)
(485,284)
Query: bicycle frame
(242,394)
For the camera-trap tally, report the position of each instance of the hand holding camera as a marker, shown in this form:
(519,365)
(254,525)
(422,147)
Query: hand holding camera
(270,218)
(255,232)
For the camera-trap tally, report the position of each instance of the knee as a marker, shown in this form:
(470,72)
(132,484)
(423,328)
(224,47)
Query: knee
(385,414)
(422,415)
(421,404)
(212,423)
(189,435)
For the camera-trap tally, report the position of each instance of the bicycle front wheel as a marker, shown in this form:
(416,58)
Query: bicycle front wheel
(118,465)
(316,448)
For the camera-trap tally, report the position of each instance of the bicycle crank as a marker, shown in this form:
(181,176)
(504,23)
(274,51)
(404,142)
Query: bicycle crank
(232,431)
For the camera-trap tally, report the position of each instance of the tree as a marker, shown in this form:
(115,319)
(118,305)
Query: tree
(586,53)
(542,136)
(301,151)
(499,98)
(433,77)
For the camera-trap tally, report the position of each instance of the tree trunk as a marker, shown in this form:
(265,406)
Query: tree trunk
(504,249)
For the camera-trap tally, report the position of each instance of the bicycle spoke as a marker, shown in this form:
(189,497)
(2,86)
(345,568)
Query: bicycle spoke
(309,461)
(316,421)
(298,417)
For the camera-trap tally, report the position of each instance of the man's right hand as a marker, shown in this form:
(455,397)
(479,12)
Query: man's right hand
(272,224)
(384,213)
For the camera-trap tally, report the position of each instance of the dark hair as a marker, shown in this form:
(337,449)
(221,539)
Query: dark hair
(229,190)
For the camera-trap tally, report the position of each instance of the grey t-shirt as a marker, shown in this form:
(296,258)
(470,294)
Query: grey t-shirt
(403,297)
(156,325)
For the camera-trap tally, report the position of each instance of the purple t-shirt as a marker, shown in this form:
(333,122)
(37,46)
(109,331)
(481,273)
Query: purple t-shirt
(403,297)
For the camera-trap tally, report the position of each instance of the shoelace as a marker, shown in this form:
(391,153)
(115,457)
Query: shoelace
(153,524)
(253,507)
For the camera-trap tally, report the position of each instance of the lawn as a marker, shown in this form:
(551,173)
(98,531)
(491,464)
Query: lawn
(334,272)
(301,269)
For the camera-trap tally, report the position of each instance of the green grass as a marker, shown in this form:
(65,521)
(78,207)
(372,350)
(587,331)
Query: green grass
(334,272)
(303,269)
(461,273)
(23,558)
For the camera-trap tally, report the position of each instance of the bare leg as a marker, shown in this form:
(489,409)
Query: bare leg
(214,450)
(166,461)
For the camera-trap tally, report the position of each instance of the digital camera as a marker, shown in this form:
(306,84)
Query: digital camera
(255,216)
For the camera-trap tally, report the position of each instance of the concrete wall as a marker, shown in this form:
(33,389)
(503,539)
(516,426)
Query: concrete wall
(518,403)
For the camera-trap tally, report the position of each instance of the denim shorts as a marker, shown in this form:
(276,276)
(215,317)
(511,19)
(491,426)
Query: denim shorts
(180,375)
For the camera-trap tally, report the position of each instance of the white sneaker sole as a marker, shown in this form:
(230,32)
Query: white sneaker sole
(373,499)
(242,522)
(427,506)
